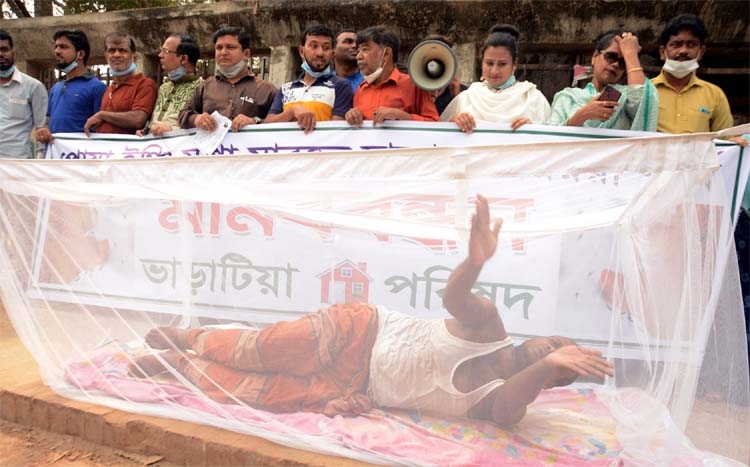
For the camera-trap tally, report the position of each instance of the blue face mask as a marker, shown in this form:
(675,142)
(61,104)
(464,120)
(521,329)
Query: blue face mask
(7,73)
(124,72)
(68,68)
(315,74)
(508,83)
(177,73)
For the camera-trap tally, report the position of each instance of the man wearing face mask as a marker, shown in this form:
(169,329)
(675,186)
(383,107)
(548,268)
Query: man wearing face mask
(127,102)
(79,95)
(233,91)
(23,102)
(386,94)
(178,57)
(687,104)
(317,95)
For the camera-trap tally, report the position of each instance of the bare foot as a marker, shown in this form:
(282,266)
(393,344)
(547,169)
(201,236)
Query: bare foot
(167,337)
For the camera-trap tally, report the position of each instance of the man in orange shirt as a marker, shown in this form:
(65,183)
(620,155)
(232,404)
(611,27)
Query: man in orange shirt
(386,94)
(128,102)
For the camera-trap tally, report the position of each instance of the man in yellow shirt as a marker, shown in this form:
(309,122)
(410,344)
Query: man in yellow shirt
(687,104)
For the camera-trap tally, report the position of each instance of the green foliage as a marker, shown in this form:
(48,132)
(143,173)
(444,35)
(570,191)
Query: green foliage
(93,6)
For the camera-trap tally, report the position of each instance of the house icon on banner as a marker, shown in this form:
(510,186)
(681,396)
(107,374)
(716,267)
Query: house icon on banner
(345,283)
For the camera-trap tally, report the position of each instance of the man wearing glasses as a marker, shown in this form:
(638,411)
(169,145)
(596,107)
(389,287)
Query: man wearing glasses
(128,102)
(178,57)
(603,103)
(78,95)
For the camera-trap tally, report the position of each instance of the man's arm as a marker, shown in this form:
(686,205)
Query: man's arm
(511,399)
(130,119)
(458,298)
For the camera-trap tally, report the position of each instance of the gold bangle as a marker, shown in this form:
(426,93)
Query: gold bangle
(633,70)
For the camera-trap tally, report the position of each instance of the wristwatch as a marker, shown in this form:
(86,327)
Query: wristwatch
(257,120)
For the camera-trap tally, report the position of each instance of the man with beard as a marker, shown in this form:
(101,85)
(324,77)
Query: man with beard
(23,103)
(687,104)
(233,91)
(79,95)
(317,94)
(345,57)
(127,102)
(386,94)
(178,56)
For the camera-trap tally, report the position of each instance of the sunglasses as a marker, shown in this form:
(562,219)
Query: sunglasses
(612,57)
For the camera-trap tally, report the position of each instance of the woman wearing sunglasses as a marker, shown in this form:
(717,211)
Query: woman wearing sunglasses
(604,104)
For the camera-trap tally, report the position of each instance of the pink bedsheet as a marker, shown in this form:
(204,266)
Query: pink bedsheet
(564,427)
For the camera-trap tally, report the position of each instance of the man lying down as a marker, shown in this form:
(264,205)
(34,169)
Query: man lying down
(344,359)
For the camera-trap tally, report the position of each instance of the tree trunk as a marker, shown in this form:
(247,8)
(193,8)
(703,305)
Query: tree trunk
(42,7)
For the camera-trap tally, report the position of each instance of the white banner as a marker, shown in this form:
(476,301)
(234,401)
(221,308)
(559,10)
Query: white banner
(234,272)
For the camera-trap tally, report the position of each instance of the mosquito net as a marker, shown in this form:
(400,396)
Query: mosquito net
(621,244)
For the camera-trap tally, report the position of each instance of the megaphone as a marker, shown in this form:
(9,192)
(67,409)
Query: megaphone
(431,65)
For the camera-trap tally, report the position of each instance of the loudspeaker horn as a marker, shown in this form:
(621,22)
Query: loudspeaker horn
(431,65)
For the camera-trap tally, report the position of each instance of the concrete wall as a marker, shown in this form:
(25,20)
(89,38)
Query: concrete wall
(555,34)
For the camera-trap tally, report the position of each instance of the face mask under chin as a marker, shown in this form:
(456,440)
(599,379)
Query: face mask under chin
(680,69)
(232,71)
(372,77)
(67,67)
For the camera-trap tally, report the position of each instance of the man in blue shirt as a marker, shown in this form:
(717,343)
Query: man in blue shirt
(345,57)
(79,95)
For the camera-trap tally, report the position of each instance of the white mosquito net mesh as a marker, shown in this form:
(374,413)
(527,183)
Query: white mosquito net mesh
(622,244)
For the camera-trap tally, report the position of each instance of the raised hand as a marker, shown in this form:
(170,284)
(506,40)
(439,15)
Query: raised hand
(483,240)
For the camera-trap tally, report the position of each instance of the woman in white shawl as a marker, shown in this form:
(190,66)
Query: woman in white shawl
(498,98)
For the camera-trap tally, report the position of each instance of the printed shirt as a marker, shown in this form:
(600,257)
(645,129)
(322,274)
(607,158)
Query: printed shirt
(172,98)
(23,105)
(73,101)
(249,96)
(137,93)
(399,92)
(327,96)
(700,107)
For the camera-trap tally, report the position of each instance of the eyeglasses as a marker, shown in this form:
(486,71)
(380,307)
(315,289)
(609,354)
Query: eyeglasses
(167,51)
(612,57)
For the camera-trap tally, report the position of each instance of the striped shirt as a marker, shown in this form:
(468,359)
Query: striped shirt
(327,96)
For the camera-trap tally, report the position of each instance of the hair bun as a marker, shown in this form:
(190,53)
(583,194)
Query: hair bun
(505,28)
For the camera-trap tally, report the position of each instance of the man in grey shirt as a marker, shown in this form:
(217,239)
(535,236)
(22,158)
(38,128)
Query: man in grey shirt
(23,104)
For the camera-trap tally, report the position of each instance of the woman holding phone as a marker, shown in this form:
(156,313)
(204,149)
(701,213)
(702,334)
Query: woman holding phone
(604,104)
(498,97)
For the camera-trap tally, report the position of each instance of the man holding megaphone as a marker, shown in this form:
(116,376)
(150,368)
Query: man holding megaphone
(386,94)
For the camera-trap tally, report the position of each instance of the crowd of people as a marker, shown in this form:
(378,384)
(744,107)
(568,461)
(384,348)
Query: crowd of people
(353,76)
(619,95)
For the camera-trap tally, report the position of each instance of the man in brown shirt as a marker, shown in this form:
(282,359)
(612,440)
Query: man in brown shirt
(129,101)
(234,91)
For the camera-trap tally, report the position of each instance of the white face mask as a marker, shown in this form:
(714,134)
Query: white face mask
(232,71)
(372,77)
(680,69)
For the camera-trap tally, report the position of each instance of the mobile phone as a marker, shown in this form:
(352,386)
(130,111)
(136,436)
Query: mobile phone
(609,93)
